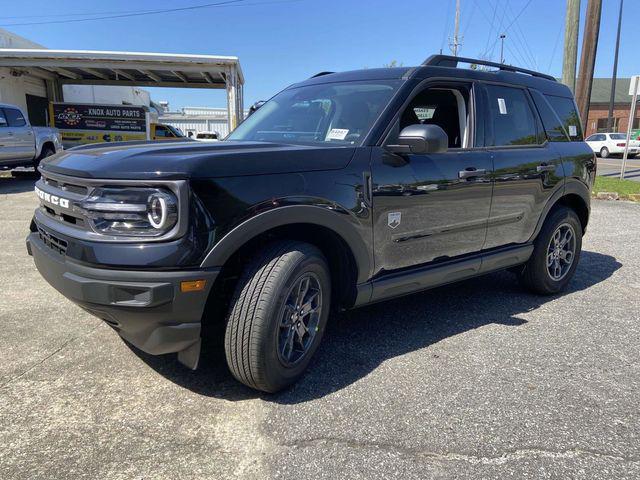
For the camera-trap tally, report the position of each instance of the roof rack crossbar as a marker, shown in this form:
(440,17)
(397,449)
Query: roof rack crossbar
(452,62)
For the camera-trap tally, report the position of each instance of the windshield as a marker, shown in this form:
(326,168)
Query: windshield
(334,113)
(618,136)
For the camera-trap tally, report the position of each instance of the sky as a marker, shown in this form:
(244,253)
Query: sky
(280,42)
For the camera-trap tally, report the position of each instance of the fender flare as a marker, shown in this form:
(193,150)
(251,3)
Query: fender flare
(341,222)
(570,187)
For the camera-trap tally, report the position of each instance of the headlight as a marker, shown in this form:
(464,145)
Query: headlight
(136,212)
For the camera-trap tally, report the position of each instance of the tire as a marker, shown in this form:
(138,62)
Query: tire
(265,346)
(604,152)
(536,275)
(46,152)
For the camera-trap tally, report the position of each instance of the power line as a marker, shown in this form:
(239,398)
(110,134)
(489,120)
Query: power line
(555,46)
(129,14)
(521,37)
(493,19)
(510,24)
(446,23)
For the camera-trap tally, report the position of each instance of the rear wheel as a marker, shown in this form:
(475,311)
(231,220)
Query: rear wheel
(278,315)
(604,152)
(556,253)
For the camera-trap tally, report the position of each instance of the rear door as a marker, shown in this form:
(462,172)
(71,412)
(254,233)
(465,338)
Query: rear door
(527,168)
(23,140)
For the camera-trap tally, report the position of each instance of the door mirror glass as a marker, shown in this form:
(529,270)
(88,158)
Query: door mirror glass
(421,139)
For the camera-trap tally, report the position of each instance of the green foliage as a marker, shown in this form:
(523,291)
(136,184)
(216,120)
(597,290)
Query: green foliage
(623,187)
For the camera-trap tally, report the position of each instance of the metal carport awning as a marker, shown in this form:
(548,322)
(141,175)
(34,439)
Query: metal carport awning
(88,67)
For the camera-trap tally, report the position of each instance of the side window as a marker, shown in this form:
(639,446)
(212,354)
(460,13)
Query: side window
(444,106)
(3,119)
(566,110)
(161,132)
(602,138)
(15,117)
(511,116)
(591,138)
(552,124)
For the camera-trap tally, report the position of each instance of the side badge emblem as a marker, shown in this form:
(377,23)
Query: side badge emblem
(393,219)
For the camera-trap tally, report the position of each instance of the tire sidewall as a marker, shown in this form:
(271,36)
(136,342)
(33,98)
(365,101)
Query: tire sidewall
(277,374)
(604,152)
(539,257)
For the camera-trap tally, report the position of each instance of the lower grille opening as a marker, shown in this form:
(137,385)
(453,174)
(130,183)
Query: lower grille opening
(52,241)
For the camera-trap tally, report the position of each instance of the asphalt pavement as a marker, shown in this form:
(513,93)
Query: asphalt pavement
(475,380)
(611,166)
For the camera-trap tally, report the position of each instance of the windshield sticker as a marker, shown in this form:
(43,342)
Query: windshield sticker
(502,105)
(337,134)
(573,131)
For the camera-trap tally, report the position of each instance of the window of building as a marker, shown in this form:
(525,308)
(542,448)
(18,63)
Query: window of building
(510,113)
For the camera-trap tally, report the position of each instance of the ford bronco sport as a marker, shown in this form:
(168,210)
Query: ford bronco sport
(342,190)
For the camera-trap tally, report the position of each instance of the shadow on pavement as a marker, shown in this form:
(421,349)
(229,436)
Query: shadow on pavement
(357,342)
(22,182)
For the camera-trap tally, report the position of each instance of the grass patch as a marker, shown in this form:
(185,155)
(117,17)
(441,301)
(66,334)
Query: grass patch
(623,187)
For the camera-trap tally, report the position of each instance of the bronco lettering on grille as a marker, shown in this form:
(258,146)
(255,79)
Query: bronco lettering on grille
(52,199)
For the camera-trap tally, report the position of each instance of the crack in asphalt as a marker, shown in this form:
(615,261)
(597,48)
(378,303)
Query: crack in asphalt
(47,357)
(517,454)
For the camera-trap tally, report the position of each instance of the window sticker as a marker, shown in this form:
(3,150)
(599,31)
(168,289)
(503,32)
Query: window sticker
(502,105)
(337,134)
(573,131)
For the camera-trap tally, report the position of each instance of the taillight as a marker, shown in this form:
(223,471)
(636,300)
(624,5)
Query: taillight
(620,144)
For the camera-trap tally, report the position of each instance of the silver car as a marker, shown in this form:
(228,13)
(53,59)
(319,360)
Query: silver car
(20,143)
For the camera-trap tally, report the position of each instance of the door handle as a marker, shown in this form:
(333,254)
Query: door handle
(10,134)
(545,168)
(471,172)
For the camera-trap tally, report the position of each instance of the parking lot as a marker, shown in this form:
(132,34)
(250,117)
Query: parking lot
(610,167)
(475,380)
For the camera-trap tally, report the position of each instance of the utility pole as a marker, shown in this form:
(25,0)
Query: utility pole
(588,58)
(502,37)
(615,73)
(570,58)
(456,41)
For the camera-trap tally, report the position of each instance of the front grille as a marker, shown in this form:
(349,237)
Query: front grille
(65,186)
(53,242)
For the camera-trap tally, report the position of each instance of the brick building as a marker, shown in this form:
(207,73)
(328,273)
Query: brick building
(599,106)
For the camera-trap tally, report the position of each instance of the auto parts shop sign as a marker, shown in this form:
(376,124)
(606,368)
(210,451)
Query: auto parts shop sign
(68,116)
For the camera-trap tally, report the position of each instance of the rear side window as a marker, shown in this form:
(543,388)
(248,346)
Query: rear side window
(552,124)
(565,109)
(511,116)
(15,117)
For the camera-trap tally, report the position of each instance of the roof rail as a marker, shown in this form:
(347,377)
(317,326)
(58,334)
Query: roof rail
(319,74)
(452,62)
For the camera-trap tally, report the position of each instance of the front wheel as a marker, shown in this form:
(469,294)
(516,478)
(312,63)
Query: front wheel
(278,315)
(46,152)
(555,255)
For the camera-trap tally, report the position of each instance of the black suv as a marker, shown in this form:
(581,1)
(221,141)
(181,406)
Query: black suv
(342,190)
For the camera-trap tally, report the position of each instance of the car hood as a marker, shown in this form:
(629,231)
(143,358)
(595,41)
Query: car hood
(180,160)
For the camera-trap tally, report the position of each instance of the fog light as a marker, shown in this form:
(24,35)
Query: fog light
(192,286)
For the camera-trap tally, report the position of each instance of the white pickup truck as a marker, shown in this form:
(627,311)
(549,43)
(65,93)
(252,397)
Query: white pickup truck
(20,143)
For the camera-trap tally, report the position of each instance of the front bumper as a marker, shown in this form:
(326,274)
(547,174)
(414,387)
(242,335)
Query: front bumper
(147,308)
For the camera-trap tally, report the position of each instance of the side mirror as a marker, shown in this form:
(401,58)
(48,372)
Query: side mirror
(256,106)
(421,139)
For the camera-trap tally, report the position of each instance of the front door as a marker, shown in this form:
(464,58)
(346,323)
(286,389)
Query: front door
(21,133)
(433,207)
